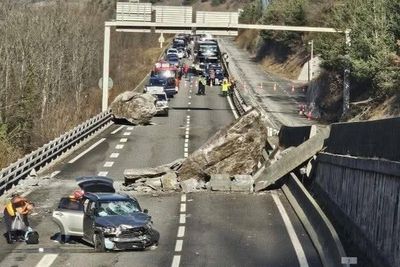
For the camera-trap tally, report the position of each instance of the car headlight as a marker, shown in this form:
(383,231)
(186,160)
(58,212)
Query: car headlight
(108,230)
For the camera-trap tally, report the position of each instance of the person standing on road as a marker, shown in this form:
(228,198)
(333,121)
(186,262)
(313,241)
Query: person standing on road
(185,69)
(225,87)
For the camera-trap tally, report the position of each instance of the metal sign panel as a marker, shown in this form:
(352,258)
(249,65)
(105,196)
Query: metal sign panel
(218,32)
(217,18)
(133,11)
(173,14)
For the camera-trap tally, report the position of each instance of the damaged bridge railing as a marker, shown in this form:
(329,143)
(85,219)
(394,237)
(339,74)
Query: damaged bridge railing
(37,159)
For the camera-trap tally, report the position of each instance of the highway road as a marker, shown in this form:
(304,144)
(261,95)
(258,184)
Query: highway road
(197,229)
(280,101)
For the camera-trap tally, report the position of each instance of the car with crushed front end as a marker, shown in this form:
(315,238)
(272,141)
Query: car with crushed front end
(104,218)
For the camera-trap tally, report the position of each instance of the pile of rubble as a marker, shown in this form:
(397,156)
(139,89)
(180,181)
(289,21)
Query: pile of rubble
(226,162)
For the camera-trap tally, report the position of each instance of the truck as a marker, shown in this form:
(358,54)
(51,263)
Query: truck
(105,219)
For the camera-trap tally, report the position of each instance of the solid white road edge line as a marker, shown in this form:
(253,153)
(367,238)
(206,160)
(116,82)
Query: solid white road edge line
(118,129)
(292,233)
(87,150)
(232,108)
(176,260)
(47,260)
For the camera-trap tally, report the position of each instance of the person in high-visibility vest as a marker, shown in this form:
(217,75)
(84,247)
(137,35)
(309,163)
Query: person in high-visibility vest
(225,87)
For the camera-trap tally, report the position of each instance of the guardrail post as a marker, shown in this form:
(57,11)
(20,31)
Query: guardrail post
(106,62)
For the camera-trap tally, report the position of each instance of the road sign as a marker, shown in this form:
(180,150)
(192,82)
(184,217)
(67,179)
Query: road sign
(110,83)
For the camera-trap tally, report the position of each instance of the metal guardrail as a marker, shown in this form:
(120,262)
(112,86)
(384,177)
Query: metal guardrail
(50,151)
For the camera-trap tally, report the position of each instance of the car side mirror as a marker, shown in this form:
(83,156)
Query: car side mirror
(146,211)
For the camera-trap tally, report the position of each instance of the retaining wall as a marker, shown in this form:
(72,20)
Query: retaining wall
(363,196)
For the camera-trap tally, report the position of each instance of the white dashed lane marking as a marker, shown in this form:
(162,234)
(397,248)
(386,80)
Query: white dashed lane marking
(123,140)
(183,207)
(119,146)
(182,218)
(130,128)
(47,260)
(127,133)
(178,245)
(102,173)
(181,231)
(108,164)
(114,155)
(118,129)
(176,261)
(183,198)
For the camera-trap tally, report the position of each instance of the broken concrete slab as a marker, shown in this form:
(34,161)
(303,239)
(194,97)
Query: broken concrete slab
(242,183)
(292,159)
(235,149)
(132,175)
(220,182)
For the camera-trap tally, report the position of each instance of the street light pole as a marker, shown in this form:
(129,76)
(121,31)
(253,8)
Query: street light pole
(310,69)
(106,62)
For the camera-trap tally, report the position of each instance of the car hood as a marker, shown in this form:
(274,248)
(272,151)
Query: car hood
(135,220)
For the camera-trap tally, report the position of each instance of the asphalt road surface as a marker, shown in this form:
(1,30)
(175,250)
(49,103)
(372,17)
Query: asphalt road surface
(279,97)
(197,229)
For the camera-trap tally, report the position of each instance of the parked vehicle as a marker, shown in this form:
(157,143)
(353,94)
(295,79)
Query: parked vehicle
(181,53)
(105,219)
(168,83)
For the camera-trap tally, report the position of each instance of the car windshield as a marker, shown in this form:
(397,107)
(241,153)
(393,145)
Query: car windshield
(172,57)
(157,82)
(117,207)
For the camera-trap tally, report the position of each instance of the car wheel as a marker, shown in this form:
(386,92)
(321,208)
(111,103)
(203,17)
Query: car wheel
(98,241)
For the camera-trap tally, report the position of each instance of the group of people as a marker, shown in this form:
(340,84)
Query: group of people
(227,86)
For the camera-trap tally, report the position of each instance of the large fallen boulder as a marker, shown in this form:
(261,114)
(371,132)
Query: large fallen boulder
(137,108)
(236,149)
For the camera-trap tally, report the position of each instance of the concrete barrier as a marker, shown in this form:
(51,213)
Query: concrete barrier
(292,160)
(317,225)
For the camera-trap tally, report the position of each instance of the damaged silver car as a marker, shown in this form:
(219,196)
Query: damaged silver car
(105,219)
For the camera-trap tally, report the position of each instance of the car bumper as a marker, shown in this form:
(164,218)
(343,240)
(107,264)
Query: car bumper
(125,243)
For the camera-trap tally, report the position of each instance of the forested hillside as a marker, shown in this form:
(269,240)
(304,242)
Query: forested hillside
(373,56)
(50,63)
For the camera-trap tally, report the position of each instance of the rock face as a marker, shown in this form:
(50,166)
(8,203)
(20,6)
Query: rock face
(135,107)
(236,149)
